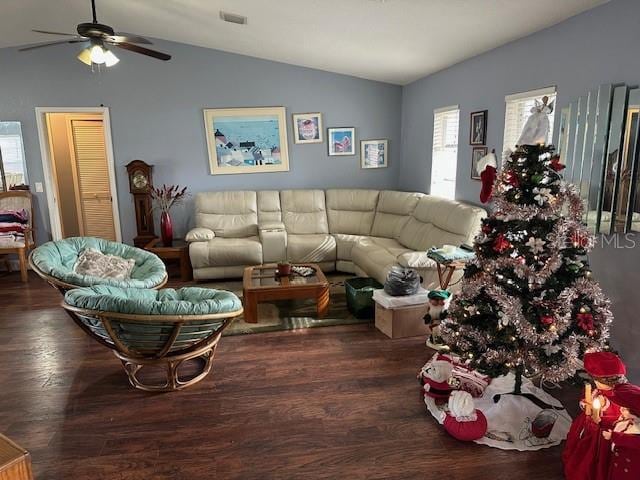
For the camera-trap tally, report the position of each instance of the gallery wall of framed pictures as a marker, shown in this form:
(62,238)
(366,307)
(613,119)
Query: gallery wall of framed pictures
(254,140)
(477,139)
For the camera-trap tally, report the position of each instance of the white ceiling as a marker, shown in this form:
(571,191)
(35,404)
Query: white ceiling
(395,41)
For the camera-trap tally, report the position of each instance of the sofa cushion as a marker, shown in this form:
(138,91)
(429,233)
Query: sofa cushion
(269,210)
(345,243)
(351,211)
(304,212)
(392,212)
(224,252)
(313,248)
(376,256)
(437,221)
(232,214)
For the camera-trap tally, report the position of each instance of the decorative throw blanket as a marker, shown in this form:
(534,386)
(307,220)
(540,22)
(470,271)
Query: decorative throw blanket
(97,264)
(13,224)
(442,256)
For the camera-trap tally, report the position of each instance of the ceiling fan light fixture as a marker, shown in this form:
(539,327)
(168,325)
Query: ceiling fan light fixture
(97,54)
(110,59)
(85,56)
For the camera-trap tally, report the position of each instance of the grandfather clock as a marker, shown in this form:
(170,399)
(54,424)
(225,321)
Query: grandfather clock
(140,182)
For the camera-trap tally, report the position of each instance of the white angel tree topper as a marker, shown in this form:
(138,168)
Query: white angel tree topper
(528,303)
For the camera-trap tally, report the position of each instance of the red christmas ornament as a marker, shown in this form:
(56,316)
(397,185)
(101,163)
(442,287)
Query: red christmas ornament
(547,320)
(501,244)
(512,179)
(585,321)
(555,163)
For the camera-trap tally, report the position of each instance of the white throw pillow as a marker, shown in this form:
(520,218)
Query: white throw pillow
(97,264)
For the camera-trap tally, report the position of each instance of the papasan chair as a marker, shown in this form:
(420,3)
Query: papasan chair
(54,261)
(147,327)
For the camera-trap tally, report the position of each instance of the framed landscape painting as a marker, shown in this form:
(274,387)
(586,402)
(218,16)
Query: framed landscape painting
(476,154)
(374,153)
(341,141)
(478,128)
(307,127)
(246,140)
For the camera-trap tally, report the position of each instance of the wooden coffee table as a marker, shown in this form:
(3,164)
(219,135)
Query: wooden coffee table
(260,284)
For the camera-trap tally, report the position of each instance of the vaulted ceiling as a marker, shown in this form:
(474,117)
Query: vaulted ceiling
(394,41)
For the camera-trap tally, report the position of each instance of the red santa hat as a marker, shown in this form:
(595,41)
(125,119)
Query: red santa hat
(627,396)
(463,421)
(603,364)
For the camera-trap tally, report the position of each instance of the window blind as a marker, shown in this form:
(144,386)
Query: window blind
(444,157)
(518,110)
(12,156)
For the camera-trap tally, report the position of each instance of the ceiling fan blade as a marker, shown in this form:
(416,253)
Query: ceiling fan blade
(49,44)
(54,33)
(144,51)
(120,37)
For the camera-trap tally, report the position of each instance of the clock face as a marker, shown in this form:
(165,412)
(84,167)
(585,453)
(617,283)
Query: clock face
(139,179)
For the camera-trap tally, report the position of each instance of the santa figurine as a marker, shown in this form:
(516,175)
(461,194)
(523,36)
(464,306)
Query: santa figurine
(463,421)
(438,304)
(625,435)
(436,377)
(587,454)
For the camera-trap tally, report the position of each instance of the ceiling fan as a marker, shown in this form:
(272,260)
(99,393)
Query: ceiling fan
(100,36)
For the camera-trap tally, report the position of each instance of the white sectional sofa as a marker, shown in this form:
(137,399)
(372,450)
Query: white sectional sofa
(364,232)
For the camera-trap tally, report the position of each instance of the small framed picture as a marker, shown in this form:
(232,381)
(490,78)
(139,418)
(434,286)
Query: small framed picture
(478,128)
(374,153)
(307,127)
(341,140)
(476,154)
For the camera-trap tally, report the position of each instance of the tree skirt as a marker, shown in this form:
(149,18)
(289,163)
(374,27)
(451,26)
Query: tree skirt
(515,423)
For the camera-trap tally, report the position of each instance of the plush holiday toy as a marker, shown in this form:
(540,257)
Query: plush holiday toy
(587,455)
(435,378)
(625,436)
(439,301)
(463,421)
(488,168)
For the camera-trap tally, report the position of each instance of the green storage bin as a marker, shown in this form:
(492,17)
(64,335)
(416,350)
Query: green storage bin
(359,293)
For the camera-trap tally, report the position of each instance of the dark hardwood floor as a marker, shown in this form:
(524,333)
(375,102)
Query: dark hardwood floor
(334,403)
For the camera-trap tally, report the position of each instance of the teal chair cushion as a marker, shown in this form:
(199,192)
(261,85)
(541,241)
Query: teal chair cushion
(58,258)
(185,301)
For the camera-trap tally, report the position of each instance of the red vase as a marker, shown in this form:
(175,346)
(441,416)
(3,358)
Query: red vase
(166,229)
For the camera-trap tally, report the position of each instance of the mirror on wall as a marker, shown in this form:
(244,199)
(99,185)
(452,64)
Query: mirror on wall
(600,135)
(608,185)
(628,214)
(13,170)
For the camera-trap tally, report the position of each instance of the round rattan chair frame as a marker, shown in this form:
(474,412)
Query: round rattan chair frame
(132,361)
(63,287)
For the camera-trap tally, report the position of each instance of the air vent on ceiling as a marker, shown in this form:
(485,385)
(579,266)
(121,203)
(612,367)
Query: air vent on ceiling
(233,18)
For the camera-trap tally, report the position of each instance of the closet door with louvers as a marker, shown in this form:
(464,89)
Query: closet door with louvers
(92,179)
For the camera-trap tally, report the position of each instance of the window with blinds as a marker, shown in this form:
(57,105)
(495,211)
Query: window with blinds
(518,110)
(444,158)
(12,152)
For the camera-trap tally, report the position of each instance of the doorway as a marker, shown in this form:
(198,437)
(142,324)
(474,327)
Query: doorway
(79,172)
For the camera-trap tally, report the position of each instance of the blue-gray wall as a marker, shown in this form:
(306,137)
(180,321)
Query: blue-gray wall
(598,46)
(156,116)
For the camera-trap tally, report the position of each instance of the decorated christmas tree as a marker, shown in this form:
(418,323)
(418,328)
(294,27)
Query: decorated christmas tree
(528,303)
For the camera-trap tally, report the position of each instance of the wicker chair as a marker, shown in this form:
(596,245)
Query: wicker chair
(155,327)
(18,200)
(54,262)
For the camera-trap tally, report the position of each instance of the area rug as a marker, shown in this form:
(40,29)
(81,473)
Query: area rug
(293,314)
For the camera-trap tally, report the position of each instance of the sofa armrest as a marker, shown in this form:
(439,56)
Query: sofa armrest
(273,238)
(417,260)
(199,234)
(272,227)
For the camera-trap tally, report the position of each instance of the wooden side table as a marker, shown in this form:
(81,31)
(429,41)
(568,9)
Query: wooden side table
(15,461)
(178,251)
(445,271)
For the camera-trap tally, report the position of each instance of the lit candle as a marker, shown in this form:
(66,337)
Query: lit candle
(595,415)
(587,399)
